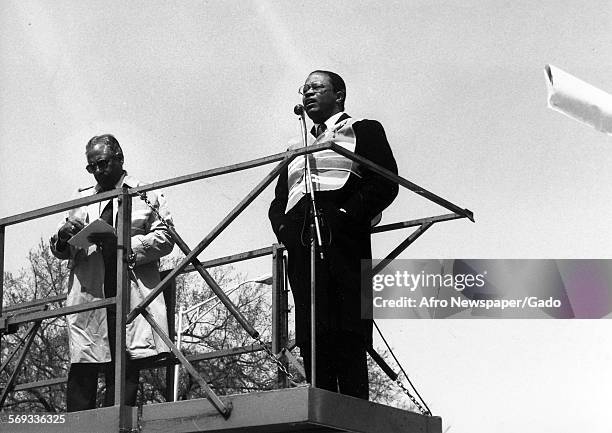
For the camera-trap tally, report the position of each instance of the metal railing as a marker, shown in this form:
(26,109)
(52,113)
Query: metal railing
(9,321)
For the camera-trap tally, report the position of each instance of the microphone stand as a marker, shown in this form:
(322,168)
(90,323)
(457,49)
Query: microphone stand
(315,238)
(316,218)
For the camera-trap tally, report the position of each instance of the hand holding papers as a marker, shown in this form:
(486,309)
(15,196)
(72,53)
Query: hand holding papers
(95,232)
(70,228)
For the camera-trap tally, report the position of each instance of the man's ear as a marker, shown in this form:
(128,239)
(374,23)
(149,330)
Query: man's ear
(341,97)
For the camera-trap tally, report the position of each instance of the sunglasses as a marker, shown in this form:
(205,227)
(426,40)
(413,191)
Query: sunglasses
(99,165)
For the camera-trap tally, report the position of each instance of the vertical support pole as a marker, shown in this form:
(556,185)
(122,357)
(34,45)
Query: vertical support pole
(280,310)
(170,299)
(2,234)
(179,340)
(124,223)
(313,304)
(284,308)
(2,241)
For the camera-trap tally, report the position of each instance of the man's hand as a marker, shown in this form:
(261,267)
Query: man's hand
(107,241)
(70,228)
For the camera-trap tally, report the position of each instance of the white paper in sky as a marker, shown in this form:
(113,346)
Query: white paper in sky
(579,100)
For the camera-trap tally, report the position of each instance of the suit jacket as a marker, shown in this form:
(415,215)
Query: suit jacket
(362,197)
(338,293)
(150,240)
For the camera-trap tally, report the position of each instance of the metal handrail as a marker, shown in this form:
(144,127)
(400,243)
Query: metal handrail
(191,257)
(66,205)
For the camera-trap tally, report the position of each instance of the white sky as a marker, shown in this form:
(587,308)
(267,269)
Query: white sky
(459,86)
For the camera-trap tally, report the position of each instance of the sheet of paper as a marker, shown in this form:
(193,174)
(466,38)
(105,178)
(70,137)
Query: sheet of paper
(578,100)
(97,226)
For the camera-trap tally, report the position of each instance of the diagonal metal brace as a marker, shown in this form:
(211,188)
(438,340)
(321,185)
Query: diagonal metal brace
(224,409)
(214,286)
(466,213)
(382,364)
(401,247)
(26,347)
(192,255)
(21,341)
(14,352)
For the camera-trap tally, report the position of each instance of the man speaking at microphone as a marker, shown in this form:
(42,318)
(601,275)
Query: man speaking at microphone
(349,197)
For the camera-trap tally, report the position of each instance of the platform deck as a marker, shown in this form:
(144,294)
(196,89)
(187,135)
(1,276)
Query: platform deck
(302,409)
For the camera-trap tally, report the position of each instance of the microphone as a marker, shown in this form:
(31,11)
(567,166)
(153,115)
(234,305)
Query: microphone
(299,110)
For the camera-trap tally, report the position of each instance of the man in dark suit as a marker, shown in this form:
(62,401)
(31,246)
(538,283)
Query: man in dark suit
(349,197)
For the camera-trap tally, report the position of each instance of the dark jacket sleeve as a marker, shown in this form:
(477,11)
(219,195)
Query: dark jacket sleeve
(276,212)
(372,193)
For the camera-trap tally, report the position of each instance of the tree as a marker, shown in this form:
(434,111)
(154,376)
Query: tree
(218,330)
(48,358)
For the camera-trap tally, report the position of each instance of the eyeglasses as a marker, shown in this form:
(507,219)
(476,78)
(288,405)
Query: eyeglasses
(316,87)
(99,165)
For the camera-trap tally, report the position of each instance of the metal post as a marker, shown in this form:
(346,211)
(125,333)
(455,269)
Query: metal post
(279,310)
(2,236)
(170,299)
(179,339)
(124,223)
(313,311)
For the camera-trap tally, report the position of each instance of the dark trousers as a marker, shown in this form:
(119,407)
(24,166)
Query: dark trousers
(82,383)
(341,364)
(342,336)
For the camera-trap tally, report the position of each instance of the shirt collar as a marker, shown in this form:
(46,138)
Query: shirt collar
(332,120)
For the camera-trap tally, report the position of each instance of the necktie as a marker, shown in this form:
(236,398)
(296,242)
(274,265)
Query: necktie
(321,129)
(107,213)
(110,260)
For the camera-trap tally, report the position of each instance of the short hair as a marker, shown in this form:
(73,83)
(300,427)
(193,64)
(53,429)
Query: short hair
(107,139)
(336,81)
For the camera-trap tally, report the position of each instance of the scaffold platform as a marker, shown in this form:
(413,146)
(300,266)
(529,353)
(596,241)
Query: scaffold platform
(302,409)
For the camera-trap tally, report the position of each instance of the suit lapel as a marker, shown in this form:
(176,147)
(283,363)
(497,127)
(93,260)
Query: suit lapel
(343,117)
(313,130)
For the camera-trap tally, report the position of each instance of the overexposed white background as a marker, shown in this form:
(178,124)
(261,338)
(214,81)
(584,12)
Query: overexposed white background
(459,86)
